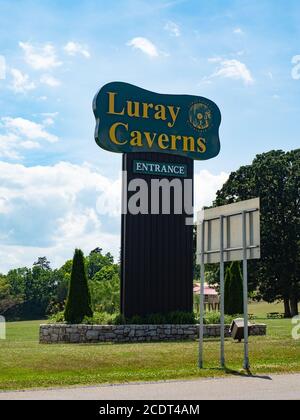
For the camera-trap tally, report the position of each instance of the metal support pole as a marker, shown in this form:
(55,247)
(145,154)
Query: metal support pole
(222,292)
(202,281)
(245,289)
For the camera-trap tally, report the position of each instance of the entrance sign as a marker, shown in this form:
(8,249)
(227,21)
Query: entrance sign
(160,169)
(160,136)
(228,233)
(131,119)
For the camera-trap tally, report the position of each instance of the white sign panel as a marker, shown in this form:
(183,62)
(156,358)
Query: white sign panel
(210,221)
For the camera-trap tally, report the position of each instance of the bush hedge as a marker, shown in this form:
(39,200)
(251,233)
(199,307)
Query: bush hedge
(179,318)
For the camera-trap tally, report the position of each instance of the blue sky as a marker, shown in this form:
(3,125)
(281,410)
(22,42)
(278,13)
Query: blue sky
(58,190)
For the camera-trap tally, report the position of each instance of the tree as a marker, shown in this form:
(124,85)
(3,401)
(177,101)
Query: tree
(105,288)
(79,300)
(106,294)
(96,260)
(227,296)
(275,178)
(106,273)
(43,263)
(16,281)
(60,280)
(7,301)
(233,289)
(32,290)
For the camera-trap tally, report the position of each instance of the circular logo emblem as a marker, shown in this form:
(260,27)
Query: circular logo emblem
(200,116)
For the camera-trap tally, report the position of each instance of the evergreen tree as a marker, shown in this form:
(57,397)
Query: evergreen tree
(227,296)
(79,299)
(234,289)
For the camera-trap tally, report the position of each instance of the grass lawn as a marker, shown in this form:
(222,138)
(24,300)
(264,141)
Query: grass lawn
(261,309)
(24,363)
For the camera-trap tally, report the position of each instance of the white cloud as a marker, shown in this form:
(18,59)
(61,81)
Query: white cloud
(234,69)
(29,145)
(48,121)
(206,186)
(2,67)
(50,210)
(17,134)
(144,45)
(21,82)
(49,80)
(9,146)
(238,31)
(49,118)
(172,28)
(74,48)
(40,58)
(214,59)
(28,129)
(296,68)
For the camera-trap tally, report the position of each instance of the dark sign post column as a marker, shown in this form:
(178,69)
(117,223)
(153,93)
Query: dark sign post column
(157,249)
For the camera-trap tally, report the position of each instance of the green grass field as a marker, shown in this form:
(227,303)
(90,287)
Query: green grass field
(24,363)
(261,309)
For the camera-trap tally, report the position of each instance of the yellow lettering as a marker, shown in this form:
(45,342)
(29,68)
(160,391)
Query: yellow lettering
(174,140)
(163,138)
(150,140)
(136,139)
(188,144)
(161,112)
(112,133)
(201,145)
(130,111)
(111,104)
(146,108)
(174,114)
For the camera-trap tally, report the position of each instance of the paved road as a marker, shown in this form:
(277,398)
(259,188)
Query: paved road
(285,387)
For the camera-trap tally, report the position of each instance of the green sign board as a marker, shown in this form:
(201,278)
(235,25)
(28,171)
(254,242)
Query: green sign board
(131,119)
(160,169)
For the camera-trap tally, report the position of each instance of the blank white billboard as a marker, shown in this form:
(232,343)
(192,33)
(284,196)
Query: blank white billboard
(232,232)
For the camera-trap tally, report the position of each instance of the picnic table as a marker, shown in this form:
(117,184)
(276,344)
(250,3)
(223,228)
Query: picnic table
(275,315)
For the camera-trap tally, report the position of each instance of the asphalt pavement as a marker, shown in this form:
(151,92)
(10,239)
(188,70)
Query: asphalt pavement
(277,387)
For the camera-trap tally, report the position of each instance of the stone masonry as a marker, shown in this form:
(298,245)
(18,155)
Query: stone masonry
(64,333)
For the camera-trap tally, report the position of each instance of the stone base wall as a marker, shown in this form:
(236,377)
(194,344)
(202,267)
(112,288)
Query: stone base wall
(63,333)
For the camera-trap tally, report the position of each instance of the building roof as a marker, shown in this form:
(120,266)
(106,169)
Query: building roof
(208,290)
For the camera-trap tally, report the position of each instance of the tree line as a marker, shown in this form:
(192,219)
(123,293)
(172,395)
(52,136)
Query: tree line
(39,291)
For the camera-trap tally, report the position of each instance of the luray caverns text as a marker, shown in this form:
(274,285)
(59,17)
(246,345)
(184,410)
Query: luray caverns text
(118,132)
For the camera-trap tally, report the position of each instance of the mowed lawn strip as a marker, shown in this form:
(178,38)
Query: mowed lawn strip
(24,363)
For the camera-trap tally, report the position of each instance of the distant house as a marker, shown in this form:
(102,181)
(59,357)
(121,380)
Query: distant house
(211,297)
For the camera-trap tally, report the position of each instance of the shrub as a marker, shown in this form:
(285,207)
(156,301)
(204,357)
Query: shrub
(179,317)
(155,319)
(213,318)
(104,318)
(172,318)
(58,317)
(79,299)
(100,318)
